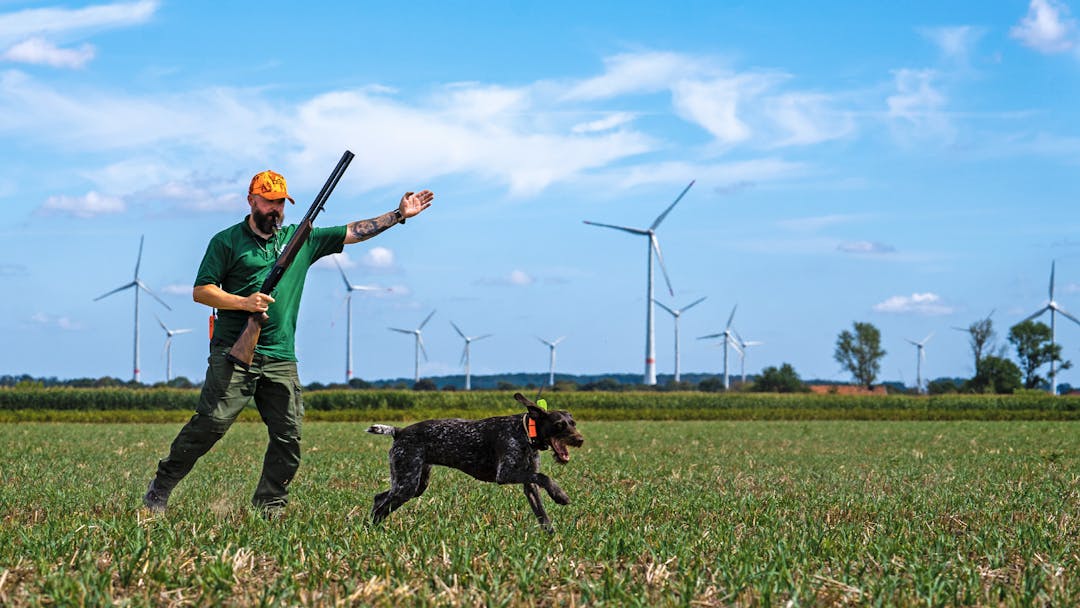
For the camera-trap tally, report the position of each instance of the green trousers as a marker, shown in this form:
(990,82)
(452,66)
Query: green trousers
(275,387)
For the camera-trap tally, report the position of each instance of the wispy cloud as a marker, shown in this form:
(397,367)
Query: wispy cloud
(43,319)
(31,36)
(611,121)
(929,304)
(516,278)
(88,205)
(177,289)
(42,52)
(1046,27)
(866,248)
(956,43)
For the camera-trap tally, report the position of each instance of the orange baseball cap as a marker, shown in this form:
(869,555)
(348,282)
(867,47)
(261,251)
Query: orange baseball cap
(270,186)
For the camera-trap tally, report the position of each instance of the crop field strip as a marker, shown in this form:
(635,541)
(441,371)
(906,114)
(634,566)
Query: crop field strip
(662,513)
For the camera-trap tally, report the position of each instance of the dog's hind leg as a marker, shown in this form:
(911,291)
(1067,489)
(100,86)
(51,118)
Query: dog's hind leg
(532,492)
(407,470)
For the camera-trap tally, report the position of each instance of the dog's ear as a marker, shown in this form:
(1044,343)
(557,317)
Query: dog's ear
(523,400)
(536,413)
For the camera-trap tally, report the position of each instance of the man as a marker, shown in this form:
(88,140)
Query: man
(232,270)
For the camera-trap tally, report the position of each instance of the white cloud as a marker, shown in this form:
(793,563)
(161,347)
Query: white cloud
(866,247)
(58,321)
(715,104)
(379,258)
(42,52)
(40,21)
(89,205)
(516,278)
(645,72)
(928,304)
(611,121)
(956,43)
(1046,28)
(807,118)
(916,99)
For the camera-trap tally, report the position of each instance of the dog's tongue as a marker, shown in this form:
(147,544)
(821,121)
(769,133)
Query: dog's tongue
(561,453)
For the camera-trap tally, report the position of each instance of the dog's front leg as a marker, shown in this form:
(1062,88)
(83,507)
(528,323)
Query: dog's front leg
(533,494)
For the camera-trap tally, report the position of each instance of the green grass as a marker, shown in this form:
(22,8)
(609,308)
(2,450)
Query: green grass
(663,513)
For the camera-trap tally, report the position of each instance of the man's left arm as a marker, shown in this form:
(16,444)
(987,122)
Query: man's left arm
(412,203)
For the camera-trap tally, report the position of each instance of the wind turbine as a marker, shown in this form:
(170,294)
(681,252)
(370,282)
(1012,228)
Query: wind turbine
(1053,307)
(676,313)
(729,338)
(653,245)
(169,333)
(419,343)
(137,284)
(551,366)
(921,346)
(743,345)
(350,288)
(465,353)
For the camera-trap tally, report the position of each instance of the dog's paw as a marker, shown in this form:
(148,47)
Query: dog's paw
(560,497)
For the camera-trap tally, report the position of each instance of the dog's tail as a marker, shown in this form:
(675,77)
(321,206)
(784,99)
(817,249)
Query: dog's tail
(382,429)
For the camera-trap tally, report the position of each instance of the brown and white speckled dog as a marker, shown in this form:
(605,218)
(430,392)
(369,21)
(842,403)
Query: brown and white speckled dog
(503,450)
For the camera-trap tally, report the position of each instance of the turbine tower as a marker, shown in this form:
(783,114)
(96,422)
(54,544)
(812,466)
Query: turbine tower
(551,366)
(465,353)
(653,246)
(920,357)
(742,346)
(169,333)
(419,343)
(350,288)
(137,284)
(729,339)
(1054,308)
(676,313)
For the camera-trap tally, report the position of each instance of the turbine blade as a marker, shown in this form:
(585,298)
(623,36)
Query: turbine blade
(660,258)
(694,303)
(670,207)
(927,338)
(464,352)
(177,332)
(661,305)
(348,285)
(557,340)
(482,337)
(911,342)
(623,228)
(710,336)
(458,330)
(420,341)
(399,330)
(131,284)
(162,324)
(732,316)
(544,341)
(138,260)
(426,320)
(1039,313)
(735,345)
(1052,263)
(737,336)
(152,294)
(1067,315)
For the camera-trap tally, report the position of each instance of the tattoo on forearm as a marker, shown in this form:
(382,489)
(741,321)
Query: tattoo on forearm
(362,230)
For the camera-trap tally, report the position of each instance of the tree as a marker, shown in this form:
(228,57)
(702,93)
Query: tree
(782,380)
(995,375)
(860,353)
(425,384)
(981,338)
(1034,349)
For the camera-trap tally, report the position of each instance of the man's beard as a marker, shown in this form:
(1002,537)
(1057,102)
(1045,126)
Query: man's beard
(268,223)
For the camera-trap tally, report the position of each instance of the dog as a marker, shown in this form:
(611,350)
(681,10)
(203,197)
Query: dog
(502,450)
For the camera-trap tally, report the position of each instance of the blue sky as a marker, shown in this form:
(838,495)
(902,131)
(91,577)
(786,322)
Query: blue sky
(912,165)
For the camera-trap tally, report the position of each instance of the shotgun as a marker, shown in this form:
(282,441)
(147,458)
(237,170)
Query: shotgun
(243,351)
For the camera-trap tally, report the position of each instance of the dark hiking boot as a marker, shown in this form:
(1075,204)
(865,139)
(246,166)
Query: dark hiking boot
(156,498)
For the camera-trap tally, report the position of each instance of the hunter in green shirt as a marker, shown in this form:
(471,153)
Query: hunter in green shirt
(238,260)
(232,271)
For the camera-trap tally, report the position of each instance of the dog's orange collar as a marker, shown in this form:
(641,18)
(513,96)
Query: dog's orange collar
(530,426)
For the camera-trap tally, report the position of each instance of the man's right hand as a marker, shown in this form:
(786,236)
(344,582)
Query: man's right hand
(257,302)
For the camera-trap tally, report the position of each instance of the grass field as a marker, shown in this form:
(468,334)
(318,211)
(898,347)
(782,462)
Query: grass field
(663,513)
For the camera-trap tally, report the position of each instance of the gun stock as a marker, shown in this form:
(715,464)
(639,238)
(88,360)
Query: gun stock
(242,352)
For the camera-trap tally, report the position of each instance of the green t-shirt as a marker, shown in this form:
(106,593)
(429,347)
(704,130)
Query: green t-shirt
(238,261)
